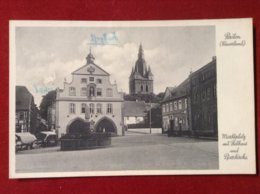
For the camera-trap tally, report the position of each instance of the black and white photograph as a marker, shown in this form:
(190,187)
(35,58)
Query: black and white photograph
(125,99)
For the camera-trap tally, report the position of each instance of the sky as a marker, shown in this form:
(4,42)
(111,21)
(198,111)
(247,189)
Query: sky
(45,56)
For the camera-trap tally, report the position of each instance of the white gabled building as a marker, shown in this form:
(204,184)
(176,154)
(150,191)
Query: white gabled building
(89,96)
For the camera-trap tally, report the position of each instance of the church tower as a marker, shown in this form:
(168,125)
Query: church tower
(141,77)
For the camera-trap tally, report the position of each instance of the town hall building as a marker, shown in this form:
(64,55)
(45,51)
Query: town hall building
(89,97)
(141,77)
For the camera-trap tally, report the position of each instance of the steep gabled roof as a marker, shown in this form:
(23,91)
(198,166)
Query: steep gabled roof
(23,98)
(176,92)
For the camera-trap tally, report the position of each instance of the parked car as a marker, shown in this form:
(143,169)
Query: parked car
(47,138)
(24,140)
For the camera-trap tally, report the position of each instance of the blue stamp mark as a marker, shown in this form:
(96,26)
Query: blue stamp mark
(43,89)
(103,39)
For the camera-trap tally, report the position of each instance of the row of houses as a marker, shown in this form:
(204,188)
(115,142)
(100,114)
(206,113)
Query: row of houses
(191,107)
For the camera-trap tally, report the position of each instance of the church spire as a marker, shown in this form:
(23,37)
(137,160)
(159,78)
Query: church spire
(140,65)
(140,52)
(90,58)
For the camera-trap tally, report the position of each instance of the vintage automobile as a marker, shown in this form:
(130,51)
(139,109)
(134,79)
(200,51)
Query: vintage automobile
(24,141)
(46,139)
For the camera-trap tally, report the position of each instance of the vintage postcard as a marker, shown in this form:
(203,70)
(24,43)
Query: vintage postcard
(94,98)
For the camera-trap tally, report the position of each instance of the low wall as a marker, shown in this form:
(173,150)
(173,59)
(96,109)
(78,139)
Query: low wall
(146,130)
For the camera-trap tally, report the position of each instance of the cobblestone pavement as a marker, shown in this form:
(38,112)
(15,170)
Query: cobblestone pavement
(134,151)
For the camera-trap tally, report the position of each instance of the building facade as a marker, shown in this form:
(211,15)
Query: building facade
(26,118)
(89,97)
(141,77)
(176,110)
(203,92)
(191,107)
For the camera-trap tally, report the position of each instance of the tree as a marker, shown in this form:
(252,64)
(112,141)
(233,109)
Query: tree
(47,101)
(144,97)
(156,117)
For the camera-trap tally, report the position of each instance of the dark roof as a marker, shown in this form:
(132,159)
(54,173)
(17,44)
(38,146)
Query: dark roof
(213,62)
(182,89)
(23,98)
(177,92)
(133,108)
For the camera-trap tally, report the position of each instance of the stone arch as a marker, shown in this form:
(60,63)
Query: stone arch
(106,124)
(78,125)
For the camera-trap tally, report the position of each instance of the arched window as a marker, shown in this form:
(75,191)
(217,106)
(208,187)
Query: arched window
(91,91)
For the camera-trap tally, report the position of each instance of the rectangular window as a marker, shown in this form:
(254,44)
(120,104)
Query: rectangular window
(203,94)
(167,107)
(214,90)
(163,108)
(99,81)
(180,104)
(91,79)
(91,108)
(171,106)
(208,93)
(83,80)
(83,92)
(99,108)
(72,108)
(186,104)
(72,91)
(109,108)
(99,92)
(21,115)
(175,105)
(83,108)
(109,92)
